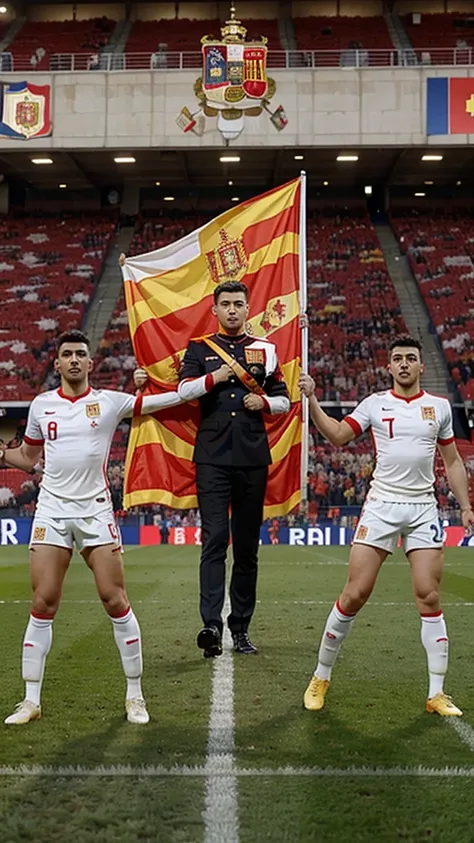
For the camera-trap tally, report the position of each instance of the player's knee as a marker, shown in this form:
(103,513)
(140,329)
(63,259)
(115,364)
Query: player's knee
(45,603)
(115,601)
(427,598)
(354,596)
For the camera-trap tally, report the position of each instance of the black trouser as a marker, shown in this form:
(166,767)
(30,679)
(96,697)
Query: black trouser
(243,490)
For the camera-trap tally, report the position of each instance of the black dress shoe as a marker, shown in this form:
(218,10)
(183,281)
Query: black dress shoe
(243,644)
(210,640)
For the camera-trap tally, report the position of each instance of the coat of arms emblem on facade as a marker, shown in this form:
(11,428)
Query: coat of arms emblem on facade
(234,83)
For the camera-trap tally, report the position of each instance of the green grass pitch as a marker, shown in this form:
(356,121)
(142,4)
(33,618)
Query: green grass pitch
(374,719)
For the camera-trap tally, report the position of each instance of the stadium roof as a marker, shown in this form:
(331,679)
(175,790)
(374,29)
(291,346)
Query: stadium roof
(188,169)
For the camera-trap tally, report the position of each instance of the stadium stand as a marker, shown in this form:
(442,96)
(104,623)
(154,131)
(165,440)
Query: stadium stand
(353,307)
(342,33)
(48,268)
(437,31)
(38,40)
(441,254)
(150,41)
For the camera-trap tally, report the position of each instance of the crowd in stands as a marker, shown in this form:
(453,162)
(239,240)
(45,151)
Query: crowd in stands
(352,305)
(440,250)
(48,268)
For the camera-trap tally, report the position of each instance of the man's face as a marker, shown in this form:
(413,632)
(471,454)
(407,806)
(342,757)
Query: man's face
(73,362)
(232,311)
(405,366)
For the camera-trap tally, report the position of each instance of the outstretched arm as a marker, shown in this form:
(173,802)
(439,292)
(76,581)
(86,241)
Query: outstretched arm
(457,479)
(338,433)
(24,457)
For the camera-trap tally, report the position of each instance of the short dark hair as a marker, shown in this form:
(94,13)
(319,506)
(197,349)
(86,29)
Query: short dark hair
(405,341)
(230,287)
(72,336)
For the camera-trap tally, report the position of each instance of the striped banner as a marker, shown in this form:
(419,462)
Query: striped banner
(169,295)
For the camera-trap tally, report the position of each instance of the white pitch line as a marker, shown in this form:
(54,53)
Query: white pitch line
(378,603)
(220,814)
(178,771)
(464,731)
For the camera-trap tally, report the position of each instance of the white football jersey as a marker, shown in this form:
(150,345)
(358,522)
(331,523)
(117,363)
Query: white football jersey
(404,433)
(76,434)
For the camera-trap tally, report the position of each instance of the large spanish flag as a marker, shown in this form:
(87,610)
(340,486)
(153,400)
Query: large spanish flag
(169,296)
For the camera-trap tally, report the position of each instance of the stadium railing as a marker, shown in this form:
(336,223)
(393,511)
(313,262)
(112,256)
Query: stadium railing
(278,59)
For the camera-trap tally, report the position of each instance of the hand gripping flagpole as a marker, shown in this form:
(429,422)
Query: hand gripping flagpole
(303,301)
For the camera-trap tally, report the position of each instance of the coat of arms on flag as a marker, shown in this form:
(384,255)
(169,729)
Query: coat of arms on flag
(234,82)
(25,110)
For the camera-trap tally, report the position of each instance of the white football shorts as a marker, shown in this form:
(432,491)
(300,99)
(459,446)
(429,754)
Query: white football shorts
(383,522)
(93,531)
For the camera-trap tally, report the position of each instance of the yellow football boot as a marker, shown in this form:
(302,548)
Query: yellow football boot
(443,705)
(315,693)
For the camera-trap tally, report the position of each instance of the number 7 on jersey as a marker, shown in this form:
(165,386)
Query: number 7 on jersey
(390,422)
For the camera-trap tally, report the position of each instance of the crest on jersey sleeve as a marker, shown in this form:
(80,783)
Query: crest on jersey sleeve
(93,410)
(428,414)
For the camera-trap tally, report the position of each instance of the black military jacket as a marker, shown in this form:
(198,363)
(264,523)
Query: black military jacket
(228,433)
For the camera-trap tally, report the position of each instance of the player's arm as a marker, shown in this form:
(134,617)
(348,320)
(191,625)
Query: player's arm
(338,433)
(193,381)
(30,450)
(24,457)
(457,479)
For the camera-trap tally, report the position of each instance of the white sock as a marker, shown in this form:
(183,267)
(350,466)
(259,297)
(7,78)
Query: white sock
(336,630)
(129,642)
(434,637)
(36,646)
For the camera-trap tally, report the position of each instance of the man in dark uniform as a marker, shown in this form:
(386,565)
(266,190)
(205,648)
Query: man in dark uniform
(237,380)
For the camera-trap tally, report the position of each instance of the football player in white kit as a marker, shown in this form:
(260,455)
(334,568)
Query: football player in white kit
(407,424)
(75,425)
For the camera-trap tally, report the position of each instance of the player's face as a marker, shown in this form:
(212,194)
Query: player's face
(232,311)
(405,366)
(73,362)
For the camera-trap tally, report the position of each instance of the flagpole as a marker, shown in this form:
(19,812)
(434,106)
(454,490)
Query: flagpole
(303,301)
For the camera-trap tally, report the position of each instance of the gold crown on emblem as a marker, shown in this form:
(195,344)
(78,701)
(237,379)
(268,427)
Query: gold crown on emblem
(233,32)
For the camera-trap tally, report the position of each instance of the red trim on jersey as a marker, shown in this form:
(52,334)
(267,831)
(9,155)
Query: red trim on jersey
(73,398)
(408,400)
(354,425)
(120,614)
(137,407)
(42,617)
(431,614)
(208,382)
(447,441)
(346,615)
(374,443)
(266,405)
(34,442)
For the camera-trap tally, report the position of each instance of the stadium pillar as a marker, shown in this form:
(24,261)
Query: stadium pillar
(130,199)
(4,199)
